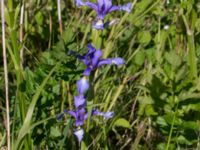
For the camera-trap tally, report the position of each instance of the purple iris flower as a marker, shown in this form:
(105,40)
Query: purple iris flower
(102,8)
(92,60)
(80,113)
(82,85)
(80,116)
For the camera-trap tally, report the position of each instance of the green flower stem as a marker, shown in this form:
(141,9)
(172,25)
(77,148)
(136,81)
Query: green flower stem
(171,129)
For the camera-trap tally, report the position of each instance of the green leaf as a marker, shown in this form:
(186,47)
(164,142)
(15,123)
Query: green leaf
(173,59)
(139,58)
(181,139)
(83,146)
(190,125)
(39,18)
(149,110)
(121,122)
(144,37)
(55,132)
(161,121)
(169,119)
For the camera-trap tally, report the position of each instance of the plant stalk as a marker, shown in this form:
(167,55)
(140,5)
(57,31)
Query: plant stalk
(5,75)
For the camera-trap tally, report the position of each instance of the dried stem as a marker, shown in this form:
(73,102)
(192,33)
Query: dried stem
(21,35)
(50,31)
(5,75)
(59,16)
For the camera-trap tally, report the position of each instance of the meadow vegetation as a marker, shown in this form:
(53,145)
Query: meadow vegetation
(155,95)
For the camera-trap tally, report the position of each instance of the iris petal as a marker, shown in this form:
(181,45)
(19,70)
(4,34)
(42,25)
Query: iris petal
(101,5)
(127,7)
(72,113)
(79,101)
(114,8)
(91,49)
(107,5)
(95,112)
(118,61)
(82,85)
(102,8)
(80,116)
(107,115)
(79,122)
(79,3)
(87,71)
(96,58)
(92,5)
(107,61)
(79,134)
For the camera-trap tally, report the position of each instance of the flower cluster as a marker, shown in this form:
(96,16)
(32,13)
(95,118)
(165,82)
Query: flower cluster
(92,60)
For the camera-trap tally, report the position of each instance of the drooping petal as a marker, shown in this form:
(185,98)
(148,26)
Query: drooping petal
(79,3)
(114,8)
(107,61)
(87,71)
(127,7)
(72,113)
(96,57)
(82,58)
(117,61)
(82,85)
(108,115)
(95,112)
(79,134)
(92,5)
(79,101)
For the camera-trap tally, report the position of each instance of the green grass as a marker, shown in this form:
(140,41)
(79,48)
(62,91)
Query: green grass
(155,96)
